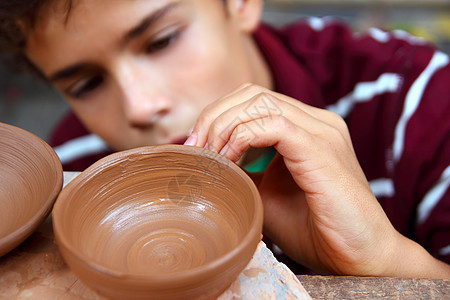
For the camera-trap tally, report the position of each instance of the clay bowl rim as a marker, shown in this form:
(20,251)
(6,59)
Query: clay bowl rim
(26,229)
(96,169)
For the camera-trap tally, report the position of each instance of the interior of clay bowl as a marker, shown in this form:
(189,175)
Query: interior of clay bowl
(30,179)
(165,222)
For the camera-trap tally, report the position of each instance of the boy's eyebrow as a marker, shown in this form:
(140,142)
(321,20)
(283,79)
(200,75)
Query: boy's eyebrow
(148,21)
(68,72)
(137,30)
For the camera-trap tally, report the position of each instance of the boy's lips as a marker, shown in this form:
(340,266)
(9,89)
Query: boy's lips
(179,141)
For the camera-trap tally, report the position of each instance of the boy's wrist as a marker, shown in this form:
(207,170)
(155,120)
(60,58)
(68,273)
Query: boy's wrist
(410,260)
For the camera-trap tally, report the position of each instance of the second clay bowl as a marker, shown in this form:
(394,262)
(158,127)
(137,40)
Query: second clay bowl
(31,177)
(162,222)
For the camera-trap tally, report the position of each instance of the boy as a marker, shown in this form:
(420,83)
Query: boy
(144,72)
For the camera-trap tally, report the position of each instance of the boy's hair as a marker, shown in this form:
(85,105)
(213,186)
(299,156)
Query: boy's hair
(17,18)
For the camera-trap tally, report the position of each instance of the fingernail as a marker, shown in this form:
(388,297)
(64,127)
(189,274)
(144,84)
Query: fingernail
(206,146)
(224,149)
(191,140)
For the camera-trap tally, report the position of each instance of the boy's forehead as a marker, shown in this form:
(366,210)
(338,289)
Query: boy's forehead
(68,14)
(68,10)
(64,10)
(67,29)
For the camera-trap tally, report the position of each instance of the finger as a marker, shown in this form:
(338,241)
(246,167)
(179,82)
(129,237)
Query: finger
(198,136)
(259,108)
(252,134)
(220,118)
(310,157)
(215,109)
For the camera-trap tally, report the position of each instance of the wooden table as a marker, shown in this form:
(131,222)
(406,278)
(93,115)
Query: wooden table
(343,287)
(36,270)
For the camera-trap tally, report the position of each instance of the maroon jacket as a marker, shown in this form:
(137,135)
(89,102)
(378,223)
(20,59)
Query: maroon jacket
(393,91)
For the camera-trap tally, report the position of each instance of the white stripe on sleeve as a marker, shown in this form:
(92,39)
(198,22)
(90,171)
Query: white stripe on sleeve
(319,23)
(413,98)
(382,187)
(433,196)
(365,91)
(445,251)
(385,36)
(80,147)
(379,35)
(316,23)
(406,36)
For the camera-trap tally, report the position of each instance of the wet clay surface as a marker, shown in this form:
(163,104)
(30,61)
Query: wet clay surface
(169,221)
(30,179)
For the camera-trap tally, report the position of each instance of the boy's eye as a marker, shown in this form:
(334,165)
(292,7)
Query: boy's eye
(161,43)
(85,86)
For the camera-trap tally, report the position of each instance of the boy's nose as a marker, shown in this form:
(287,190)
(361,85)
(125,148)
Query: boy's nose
(144,103)
(143,110)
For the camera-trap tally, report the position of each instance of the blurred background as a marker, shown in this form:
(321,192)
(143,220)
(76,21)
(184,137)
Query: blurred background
(30,104)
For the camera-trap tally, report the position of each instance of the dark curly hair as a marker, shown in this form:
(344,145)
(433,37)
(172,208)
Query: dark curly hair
(17,18)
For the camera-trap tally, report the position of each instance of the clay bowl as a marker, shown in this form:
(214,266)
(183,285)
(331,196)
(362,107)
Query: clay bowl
(162,222)
(31,177)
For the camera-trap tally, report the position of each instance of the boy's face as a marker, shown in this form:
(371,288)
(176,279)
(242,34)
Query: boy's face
(140,72)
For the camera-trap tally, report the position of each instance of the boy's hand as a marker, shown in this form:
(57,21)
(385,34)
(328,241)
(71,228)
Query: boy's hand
(318,206)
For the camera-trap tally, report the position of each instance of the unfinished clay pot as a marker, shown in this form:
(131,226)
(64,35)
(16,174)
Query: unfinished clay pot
(31,177)
(162,222)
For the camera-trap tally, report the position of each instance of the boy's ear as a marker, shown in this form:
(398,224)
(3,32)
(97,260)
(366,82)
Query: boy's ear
(247,13)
